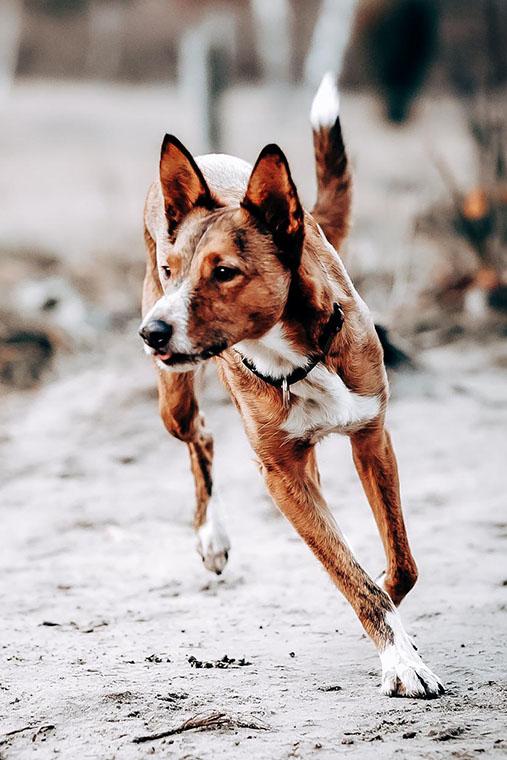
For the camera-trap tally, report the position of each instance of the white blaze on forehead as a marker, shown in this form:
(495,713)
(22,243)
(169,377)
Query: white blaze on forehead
(173,308)
(326,103)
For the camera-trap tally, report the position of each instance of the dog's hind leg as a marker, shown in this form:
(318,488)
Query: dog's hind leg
(376,465)
(291,477)
(181,417)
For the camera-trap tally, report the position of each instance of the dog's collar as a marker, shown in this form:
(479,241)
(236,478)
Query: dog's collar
(332,327)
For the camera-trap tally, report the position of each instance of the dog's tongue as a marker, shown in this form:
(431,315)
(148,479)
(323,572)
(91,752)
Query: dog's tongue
(164,357)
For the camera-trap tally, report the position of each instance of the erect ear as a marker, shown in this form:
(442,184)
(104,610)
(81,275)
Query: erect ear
(272,198)
(183,185)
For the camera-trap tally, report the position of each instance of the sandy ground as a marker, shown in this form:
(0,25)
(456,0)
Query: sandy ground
(104,599)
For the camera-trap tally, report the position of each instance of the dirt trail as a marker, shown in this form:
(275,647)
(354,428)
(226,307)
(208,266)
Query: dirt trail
(106,607)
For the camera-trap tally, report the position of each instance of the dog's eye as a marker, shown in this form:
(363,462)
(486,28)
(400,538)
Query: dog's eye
(166,271)
(225,274)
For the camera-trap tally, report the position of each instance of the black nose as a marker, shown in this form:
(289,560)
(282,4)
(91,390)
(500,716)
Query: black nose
(156,334)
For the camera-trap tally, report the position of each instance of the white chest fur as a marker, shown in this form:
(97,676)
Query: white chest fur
(321,403)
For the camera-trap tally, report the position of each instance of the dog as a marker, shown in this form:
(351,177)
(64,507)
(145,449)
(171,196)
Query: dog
(238,272)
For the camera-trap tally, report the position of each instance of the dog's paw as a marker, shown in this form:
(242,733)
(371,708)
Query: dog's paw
(213,545)
(404,674)
(411,680)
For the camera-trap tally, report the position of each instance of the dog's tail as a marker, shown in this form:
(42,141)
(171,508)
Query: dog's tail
(334,182)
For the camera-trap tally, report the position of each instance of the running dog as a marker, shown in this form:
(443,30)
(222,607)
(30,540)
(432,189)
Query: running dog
(239,272)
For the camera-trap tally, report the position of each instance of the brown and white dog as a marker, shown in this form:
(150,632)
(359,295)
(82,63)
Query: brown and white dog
(238,271)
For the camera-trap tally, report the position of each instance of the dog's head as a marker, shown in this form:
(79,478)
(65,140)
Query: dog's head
(225,270)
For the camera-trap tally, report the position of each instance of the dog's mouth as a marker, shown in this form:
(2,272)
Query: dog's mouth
(175,359)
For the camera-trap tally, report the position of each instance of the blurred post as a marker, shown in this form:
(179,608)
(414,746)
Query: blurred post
(105,38)
(206,51)
(272,24)
(330,39)
(11,16)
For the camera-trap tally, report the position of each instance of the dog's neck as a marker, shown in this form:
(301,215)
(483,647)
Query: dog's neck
(275,354)
(313,291)
(302,334)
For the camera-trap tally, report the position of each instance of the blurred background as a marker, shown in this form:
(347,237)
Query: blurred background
(96,499)
(88,87)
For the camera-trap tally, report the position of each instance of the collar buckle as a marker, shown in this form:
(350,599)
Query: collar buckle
(285,393)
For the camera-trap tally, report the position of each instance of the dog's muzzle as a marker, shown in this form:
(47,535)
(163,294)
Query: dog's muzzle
(157,335)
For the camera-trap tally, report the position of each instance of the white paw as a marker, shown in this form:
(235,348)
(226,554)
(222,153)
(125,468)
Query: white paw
(408,676)
(404,674)
(213,545)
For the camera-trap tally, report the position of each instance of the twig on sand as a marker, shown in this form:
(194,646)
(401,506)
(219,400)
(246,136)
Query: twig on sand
(206,722)
(8,734)
(40,730)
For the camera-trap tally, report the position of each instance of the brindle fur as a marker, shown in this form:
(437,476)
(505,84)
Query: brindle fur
(334,184)
(296,281)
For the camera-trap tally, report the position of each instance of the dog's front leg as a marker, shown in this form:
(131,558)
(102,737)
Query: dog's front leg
(181,417)
(292,479)
(180,414)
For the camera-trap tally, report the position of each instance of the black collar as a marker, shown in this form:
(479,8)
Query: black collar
(332,327)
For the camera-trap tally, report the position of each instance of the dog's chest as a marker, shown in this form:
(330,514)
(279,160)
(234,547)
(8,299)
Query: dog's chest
(323,404)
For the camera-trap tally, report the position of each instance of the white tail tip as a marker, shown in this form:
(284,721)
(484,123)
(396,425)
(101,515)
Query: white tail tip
(326,103)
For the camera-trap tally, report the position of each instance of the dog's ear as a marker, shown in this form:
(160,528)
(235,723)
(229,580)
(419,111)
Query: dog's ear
(272,198)
(183,185)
